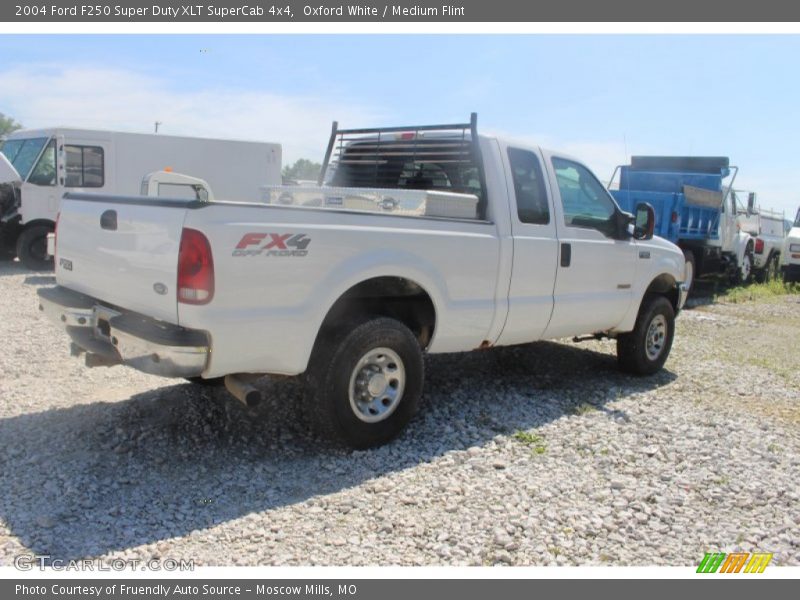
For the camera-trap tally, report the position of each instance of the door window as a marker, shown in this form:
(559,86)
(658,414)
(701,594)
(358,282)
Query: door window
(22,153)
(529,187)
(44,173)
(586,202)
(84,166)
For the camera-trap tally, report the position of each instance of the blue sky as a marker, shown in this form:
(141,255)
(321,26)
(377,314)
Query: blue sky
(600,97)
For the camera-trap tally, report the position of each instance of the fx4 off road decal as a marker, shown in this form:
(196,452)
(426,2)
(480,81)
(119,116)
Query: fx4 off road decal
(272,244)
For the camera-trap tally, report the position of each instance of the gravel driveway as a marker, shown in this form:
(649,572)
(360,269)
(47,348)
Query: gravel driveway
(541,454)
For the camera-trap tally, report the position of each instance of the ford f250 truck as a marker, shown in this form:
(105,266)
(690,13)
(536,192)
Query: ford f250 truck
(506,244)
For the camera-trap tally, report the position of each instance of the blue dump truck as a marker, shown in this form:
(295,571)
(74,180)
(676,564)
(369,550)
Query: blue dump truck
(696,208)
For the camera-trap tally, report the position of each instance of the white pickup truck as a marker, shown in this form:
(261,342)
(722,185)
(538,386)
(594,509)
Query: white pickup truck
(353,295)
(791,253)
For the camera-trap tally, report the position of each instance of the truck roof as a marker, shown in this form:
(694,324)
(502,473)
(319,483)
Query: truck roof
(108,134)
(684,164)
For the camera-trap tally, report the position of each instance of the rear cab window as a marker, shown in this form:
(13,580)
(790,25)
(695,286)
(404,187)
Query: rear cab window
(433,163)
(529,188)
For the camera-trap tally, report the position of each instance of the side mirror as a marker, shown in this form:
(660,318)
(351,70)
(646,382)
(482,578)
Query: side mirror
(645,222)
(622,225)
(751,203)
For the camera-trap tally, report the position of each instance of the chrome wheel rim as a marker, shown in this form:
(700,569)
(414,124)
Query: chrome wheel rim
(377,384)
(656,337)
(747,265)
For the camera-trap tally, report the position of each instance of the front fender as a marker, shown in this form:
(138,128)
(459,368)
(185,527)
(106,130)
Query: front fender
(666,266)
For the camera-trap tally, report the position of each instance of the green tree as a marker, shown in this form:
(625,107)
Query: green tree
(302,169)
(7,125)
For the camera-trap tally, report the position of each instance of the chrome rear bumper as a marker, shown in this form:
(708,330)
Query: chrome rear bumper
(110,336)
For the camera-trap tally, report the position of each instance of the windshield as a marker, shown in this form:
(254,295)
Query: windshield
(22,153)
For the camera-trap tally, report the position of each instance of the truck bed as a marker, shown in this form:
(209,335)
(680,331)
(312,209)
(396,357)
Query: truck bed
(402,202)
(277,270)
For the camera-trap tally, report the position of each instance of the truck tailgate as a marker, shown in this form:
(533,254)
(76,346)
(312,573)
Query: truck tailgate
(121,250)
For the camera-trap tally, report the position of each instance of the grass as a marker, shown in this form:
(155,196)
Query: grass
(532,440)
(756,291)
(583,408)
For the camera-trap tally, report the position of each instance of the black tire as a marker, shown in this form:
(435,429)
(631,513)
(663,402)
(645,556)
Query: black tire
(772,272)
(691,270)
(634,354)
(32,248)
(739,278)
(334,406)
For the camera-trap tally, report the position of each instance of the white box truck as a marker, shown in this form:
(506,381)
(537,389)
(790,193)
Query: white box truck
(42,164)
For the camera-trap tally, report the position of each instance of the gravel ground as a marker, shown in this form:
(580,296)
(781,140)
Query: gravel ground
(534,455)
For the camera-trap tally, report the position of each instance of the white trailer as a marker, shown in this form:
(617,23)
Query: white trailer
(49,162)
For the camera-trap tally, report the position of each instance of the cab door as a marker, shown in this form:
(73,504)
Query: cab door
(596,270)
(39,190)
(530,296)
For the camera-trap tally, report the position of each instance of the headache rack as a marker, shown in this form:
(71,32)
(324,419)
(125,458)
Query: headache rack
(438,158)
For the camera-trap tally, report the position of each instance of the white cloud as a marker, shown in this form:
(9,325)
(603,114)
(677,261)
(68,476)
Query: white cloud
(98,98)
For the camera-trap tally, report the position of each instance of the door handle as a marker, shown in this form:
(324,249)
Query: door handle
(566,255)
(108,220)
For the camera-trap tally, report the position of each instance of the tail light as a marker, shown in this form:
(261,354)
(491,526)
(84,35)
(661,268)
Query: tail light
(759,246)
(674,216)
(195,268)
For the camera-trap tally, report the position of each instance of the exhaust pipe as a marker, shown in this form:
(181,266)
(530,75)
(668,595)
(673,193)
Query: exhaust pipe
(240,388)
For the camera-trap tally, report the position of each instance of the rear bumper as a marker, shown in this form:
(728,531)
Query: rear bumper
(111,336)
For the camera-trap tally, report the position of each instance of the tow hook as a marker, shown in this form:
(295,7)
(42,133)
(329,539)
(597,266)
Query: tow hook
(241,388)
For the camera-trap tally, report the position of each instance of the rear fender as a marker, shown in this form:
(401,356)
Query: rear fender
(741,243)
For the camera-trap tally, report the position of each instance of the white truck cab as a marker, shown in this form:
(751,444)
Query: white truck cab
(47,163)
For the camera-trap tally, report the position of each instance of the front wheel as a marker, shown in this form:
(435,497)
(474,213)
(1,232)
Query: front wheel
(365,383)
(744,271)
(644,350)
(32,248)
(773,269)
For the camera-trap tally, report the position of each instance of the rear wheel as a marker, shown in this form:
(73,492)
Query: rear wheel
(644,350)
(744,271)
(773,270)
(365,383)
(32,248)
